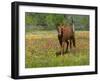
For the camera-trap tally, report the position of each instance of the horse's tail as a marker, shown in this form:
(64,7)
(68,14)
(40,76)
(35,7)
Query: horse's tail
(73,26)
(74,43)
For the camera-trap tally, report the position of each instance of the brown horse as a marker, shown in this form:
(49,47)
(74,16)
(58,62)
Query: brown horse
(65,35)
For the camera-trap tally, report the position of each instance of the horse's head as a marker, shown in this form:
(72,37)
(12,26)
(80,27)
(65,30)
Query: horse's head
(60,30)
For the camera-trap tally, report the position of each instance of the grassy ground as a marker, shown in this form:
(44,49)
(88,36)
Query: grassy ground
(41,48)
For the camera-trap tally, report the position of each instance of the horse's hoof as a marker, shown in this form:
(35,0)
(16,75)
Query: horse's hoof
(66,51)
(58,53)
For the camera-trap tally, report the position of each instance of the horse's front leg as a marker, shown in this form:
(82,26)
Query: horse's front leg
(67,42)
(62,48)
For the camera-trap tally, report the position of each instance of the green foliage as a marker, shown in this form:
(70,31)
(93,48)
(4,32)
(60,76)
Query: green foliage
(47,21)
(81,22)
(29,19)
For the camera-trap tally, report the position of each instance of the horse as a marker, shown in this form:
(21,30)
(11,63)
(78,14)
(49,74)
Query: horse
(66,34)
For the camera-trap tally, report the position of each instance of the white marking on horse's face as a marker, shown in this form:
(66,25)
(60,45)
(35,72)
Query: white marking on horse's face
(59,30)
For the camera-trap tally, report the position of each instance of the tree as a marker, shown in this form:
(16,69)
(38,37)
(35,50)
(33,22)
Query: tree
(48,21)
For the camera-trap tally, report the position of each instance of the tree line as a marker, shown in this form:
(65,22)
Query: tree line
(48,21)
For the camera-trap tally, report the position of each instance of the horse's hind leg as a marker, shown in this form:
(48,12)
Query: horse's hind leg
(70,44)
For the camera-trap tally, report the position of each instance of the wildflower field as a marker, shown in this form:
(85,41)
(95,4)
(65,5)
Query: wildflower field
(41,48)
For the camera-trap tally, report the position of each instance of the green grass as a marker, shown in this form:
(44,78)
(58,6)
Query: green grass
(41,48)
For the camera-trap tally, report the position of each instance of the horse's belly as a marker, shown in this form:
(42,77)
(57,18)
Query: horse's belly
(67,37)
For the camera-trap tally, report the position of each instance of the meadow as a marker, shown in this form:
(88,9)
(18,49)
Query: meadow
(41,48)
